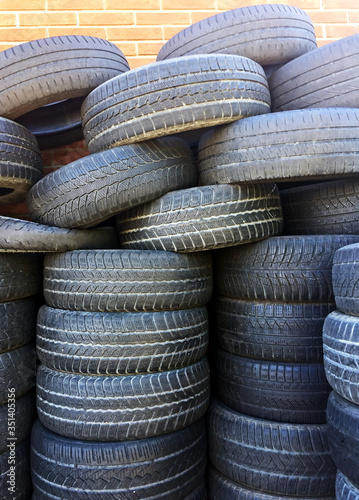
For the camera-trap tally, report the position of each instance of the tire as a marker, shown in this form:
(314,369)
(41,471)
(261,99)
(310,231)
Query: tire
(290,146)
(270,457)
(343,435)
(323,208)
(17,372)
(20,161)
(66,67)
(20,275)
(95,187)
(200,493)
(272,331)
(345,279)
(167,467)
(20,460)
(344,489)
(173,96)
(117,408)
(126,280)
(17,323)
(121,343)
(267,34)
(203,218)
(283,268)
(283,392)
(319,78)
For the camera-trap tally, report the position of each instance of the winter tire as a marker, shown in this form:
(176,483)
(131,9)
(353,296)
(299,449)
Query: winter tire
(345,279)
(17,478)
(17,372)
(20,275)
(17,323)
(344,489)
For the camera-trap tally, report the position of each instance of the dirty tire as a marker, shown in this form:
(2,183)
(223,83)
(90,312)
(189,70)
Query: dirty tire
(49,70)
(17,323)
(17,371)
(344,489)
(283,392)
(126,280)
(266,34)
(20,275)
(319,78)
(21,461)
(200,493)
(272,457)
(343,435)
(203,218)
(173,96)
(98,186)
(114,408)
(272,331)
(282,268)
(121,343)
(169,466)
(295,145)
(345,279)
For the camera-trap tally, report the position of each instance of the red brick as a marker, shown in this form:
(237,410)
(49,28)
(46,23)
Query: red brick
(16,5)
(188,5)
(319,32)
(97,32)
(132,5)
(48,19)
(128,48)
(338,4)
(105,18)
(169,32)
(149,48)
(341,30)
(74,4)
(5,46)
(68,156)
(21,34)
(135,33)
(17,210)
(327,16)
(324,41)
(199,16)
(135,62)
(163,18)
(7,19)
(234,4)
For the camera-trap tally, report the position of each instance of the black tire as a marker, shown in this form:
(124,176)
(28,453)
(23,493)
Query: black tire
(20,275)
(323,208)
(17,323)
(319,78)
(17,372)
(115,408)
(294,145)
(343,435)
(167,467)
(272,331)
(49,70)
(173,96)
(282,268)
(200,493)
(127,280)
(95,187)
(283,392)
(203,218)
(345,279)
(344,489)
(267,34)
(121,343)
(20,161)
(20,474)
(277,458)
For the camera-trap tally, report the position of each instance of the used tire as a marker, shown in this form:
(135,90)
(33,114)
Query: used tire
(15,472)
(203,218)
(121,343)
(17,372)
(173,96)
(345,279)
(126,280)
(17,323)
(344,489)
(294,145)
(20,275)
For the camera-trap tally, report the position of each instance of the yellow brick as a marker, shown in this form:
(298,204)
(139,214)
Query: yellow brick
(21,34)
(74,4)
(105,18)
(135,33)
(162,18)
(48,19)
(96,32)
(149,48)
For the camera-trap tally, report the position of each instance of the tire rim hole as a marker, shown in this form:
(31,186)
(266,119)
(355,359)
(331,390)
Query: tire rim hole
(5,191)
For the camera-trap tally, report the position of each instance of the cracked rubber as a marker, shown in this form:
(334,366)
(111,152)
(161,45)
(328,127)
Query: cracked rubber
(20,275)
(345,279)
(344,489)
(17,371)
(17,323)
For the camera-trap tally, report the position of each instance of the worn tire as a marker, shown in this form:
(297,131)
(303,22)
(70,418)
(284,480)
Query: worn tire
(173,96)
(345,279)
(203,218)
(344,489)
(126,280)
(20,275)
(17,323)
(282,268)
(278,458)
(17,371)
(294,145)
(272,331)
(319,78)
(121,343)
(20,460)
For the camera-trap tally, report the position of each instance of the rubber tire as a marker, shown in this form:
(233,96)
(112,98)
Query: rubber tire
(20,275)
(17,371)
(345,278)
(17,323)
(282,268)
(127,280)
(319,78)
(344,489)
(20,161)
(66,67)
(96,187)
(203,218)
(117,408)
(272,331)
(294,145)
(173,96)
(167,467)
(277,458)
(343,435)
(283,392)
(120,343)
(20,459)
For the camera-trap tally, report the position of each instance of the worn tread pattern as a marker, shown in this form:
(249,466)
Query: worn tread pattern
(17,371)
(344,489)
(127,280)
(281,268)
(98,186)
(173,96)
(293,145)
(271,457)
(121,343)
(166,467)
(20,275)
(113,408)
(346,278)
(17,323)
(22,471)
